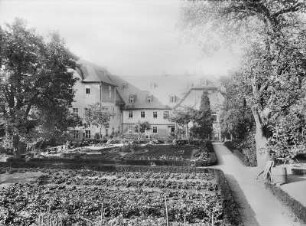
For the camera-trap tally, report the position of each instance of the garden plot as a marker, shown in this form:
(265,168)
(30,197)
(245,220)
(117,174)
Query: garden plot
(127,196)
(160,155)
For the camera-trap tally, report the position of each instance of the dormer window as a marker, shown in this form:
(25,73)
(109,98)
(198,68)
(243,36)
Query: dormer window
(125,85)
(132,99)
(150,99)
(173,99)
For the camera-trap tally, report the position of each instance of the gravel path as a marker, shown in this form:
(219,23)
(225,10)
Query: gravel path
(259,206)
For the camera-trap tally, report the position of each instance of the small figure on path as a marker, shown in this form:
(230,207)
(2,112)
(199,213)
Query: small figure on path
(266,172)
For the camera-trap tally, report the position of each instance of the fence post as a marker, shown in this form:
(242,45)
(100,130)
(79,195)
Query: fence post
(167,219)
(102,213)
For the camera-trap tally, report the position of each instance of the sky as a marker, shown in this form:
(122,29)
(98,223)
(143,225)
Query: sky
(135,39)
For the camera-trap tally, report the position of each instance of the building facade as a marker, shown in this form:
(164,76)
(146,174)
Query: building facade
(192,99)
(128,105)
(141,106)
(95,87)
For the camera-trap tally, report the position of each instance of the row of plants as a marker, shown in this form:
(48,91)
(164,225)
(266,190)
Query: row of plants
(200,201)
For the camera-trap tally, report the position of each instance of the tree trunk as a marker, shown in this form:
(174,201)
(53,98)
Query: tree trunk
(262,154)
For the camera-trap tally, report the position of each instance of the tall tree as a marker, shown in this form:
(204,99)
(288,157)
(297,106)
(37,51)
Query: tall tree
(37,82)
(236,118)
(203,120)
(273,66)
(182,117)
(96,115)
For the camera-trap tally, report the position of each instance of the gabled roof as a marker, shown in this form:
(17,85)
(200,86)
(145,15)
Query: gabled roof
(126,90)
(208,87)
(92,73)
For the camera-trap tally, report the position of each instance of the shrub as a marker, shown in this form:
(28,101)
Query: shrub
(244,150)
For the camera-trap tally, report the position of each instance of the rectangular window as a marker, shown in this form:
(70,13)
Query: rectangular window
(154,129)
(75,110)
(87,90)
(155,114)
(166,114)
(106,132)
(172,130)
(87,134)
(143,114)
(75,134)
(109,91)
(130,114)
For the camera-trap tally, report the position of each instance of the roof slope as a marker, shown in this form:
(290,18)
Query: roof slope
(200,89)
(126,90)
(93,73)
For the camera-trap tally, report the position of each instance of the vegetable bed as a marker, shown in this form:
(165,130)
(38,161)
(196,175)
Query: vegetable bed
(160,155)
(126,196)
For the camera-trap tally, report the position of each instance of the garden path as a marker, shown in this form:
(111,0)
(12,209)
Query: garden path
(259,206)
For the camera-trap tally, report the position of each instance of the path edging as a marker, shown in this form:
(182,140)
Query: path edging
(296,207)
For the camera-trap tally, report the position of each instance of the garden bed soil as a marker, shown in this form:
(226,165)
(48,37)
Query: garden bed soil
(124,195)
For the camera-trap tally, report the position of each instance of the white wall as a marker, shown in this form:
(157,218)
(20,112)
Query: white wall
(83,100)
(163,125)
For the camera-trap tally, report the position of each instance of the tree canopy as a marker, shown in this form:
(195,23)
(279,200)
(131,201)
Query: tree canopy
(203,121)
(236,118)
(95,115)
(36,82)
(272,71)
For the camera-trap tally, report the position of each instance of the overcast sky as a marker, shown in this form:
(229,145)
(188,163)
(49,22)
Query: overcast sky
(130,38)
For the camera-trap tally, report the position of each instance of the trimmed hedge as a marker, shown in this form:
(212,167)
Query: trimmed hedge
(230,206)
(297,208)
(246,155)
(297,171)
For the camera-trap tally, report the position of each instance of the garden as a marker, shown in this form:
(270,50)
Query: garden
(201,154)
(126,195)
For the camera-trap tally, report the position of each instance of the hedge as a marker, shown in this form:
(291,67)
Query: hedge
(297,208)
(230,206)
(246,155)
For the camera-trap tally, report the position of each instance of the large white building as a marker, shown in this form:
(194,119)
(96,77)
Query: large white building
(129,106)
(94,86)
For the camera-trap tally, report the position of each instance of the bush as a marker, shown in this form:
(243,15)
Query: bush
(297,208)
(230,206)
(244,150)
